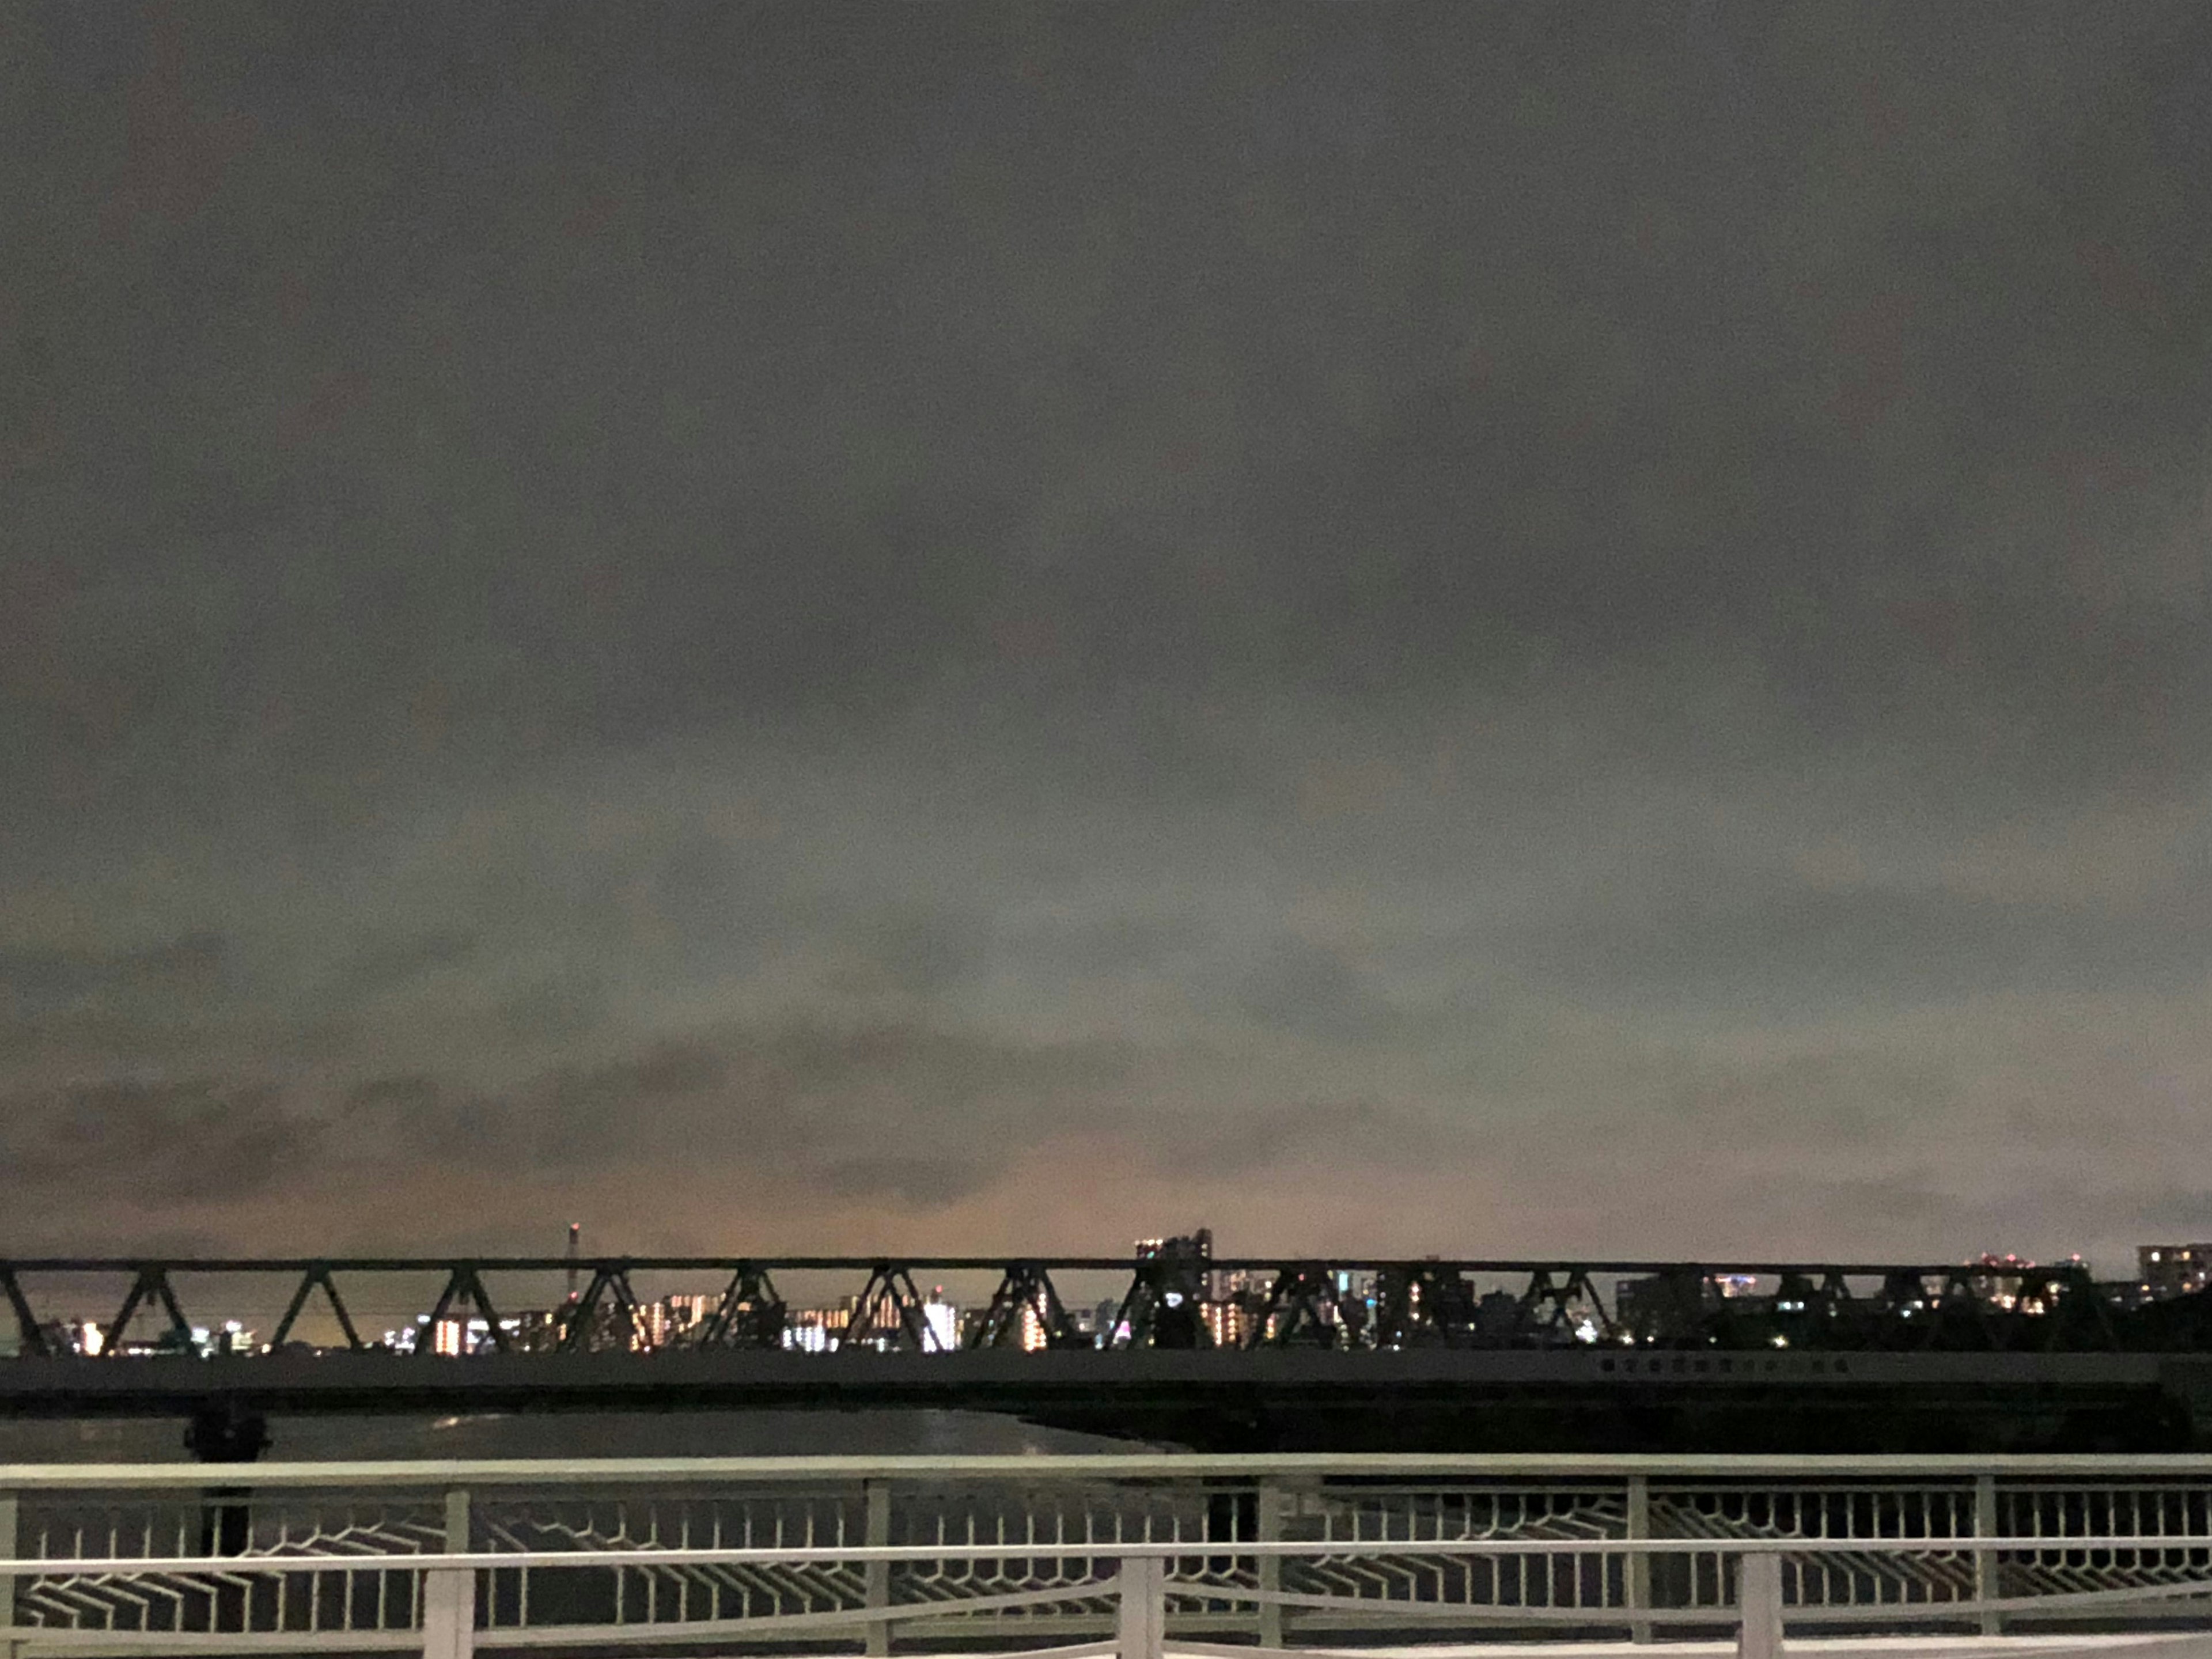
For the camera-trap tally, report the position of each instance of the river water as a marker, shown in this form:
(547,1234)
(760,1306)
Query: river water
(566,1434)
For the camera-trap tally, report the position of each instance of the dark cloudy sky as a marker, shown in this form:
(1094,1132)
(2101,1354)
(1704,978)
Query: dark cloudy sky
(1473,628)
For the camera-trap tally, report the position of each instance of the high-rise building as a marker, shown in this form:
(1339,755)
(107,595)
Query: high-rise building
(818,1330)
(943,1321)
(1228,1322)
(2173,1269)
(689,1308)
(661,1323)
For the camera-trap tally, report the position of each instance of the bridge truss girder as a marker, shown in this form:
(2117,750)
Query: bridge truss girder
(1301,1310)
(1163,1307)
(1548,1307)
(1945,1307)
(1026,1290)
(465,1289)
(890,1306)
(148,1286)
(578,1321)
(750,1315)
(317,1277)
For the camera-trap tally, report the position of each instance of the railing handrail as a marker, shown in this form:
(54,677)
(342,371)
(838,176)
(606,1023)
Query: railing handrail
(1137,1574)
(428,1472)
(1089,1549)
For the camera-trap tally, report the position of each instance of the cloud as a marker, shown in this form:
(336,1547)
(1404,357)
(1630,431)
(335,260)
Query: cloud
(143,1147)
(194,969)
(1252,611)
(394,964)
(1299,987)
(1789,949)
(917,1184)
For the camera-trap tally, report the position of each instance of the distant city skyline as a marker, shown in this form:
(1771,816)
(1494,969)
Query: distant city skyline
(1236,1305)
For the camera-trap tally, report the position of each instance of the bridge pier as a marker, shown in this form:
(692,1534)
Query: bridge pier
(225,1431)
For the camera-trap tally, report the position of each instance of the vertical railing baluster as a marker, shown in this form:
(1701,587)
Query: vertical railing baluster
(1758,1604)
(1141,1615)
(877,1574)
(1986,1565)
(524,1573)
(745,1592)
(1638,1587)
(10,1519)
(1269,1507)
(449,1593)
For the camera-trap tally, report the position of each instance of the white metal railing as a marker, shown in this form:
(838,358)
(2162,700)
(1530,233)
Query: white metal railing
(443,1557)
(1141,1583)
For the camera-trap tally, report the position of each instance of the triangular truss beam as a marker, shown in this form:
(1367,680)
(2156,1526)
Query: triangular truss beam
(1161,1309)
(30,1334)
(750,1315)
(318,1275)
(579,1319)
(1294,1309)
(463,1290)
(1422,1307)
(890,1306)
(1026,1289)
(1547,1306)
(150,1286)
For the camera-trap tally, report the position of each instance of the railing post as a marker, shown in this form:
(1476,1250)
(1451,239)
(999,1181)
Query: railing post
(1268,1510)
(1986,1575)
(1637,1571)
(8,1513)
(449,1593)
(1759,1605)
(877,1578)
(1140,1628)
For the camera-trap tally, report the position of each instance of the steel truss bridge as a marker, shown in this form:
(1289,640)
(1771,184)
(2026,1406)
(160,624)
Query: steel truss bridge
(1828,1357)
(1131,1557)
(1300,1303)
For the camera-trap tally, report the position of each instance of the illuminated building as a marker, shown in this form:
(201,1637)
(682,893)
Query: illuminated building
(661,1323)
(818,1330)
(688,1308)
(535,1331)
(942,1320)
(1229,1324)
(2173,1269)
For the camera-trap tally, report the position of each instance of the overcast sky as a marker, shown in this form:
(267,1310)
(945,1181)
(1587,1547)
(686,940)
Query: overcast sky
(1498,629)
